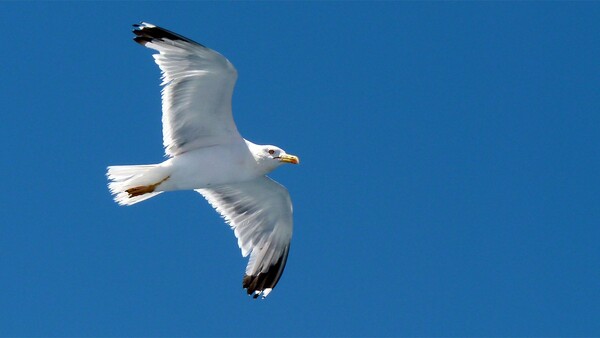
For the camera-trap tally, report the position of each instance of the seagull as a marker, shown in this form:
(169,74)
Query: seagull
(206,153)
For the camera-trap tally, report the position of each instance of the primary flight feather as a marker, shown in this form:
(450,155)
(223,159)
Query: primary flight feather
(207,154)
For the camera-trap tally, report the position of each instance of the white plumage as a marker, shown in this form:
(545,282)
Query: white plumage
(207,154)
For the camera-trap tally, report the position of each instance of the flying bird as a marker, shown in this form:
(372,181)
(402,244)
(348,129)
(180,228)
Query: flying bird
(206,153)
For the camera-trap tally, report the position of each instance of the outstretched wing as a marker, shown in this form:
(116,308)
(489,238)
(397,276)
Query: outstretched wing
(198,85)
(260,214)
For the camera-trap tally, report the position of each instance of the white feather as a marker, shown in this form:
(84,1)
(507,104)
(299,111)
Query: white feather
(196,98)
(123,177)
(260,214)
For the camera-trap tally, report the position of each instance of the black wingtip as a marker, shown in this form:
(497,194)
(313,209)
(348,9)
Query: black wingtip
(256,285)
(151,32)
(142,40)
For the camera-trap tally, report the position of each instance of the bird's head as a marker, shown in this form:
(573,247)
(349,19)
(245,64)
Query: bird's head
(271,157)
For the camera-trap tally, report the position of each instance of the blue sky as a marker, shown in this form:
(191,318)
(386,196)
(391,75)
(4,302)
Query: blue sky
(448,185)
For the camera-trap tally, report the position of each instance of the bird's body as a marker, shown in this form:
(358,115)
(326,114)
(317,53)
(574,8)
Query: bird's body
(207,154)
(185,173)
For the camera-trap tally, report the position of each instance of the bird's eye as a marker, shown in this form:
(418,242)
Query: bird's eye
(271,151)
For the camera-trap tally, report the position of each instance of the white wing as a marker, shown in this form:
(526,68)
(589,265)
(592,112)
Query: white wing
(196,98)
(260,214)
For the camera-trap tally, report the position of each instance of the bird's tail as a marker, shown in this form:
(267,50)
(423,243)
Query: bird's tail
(125,179)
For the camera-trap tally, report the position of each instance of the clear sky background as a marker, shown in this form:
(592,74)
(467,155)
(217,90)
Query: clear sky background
(448,185)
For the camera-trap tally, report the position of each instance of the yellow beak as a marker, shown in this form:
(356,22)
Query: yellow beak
(289,159)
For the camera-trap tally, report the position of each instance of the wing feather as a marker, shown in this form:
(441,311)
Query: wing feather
(260,214)
(198,86)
